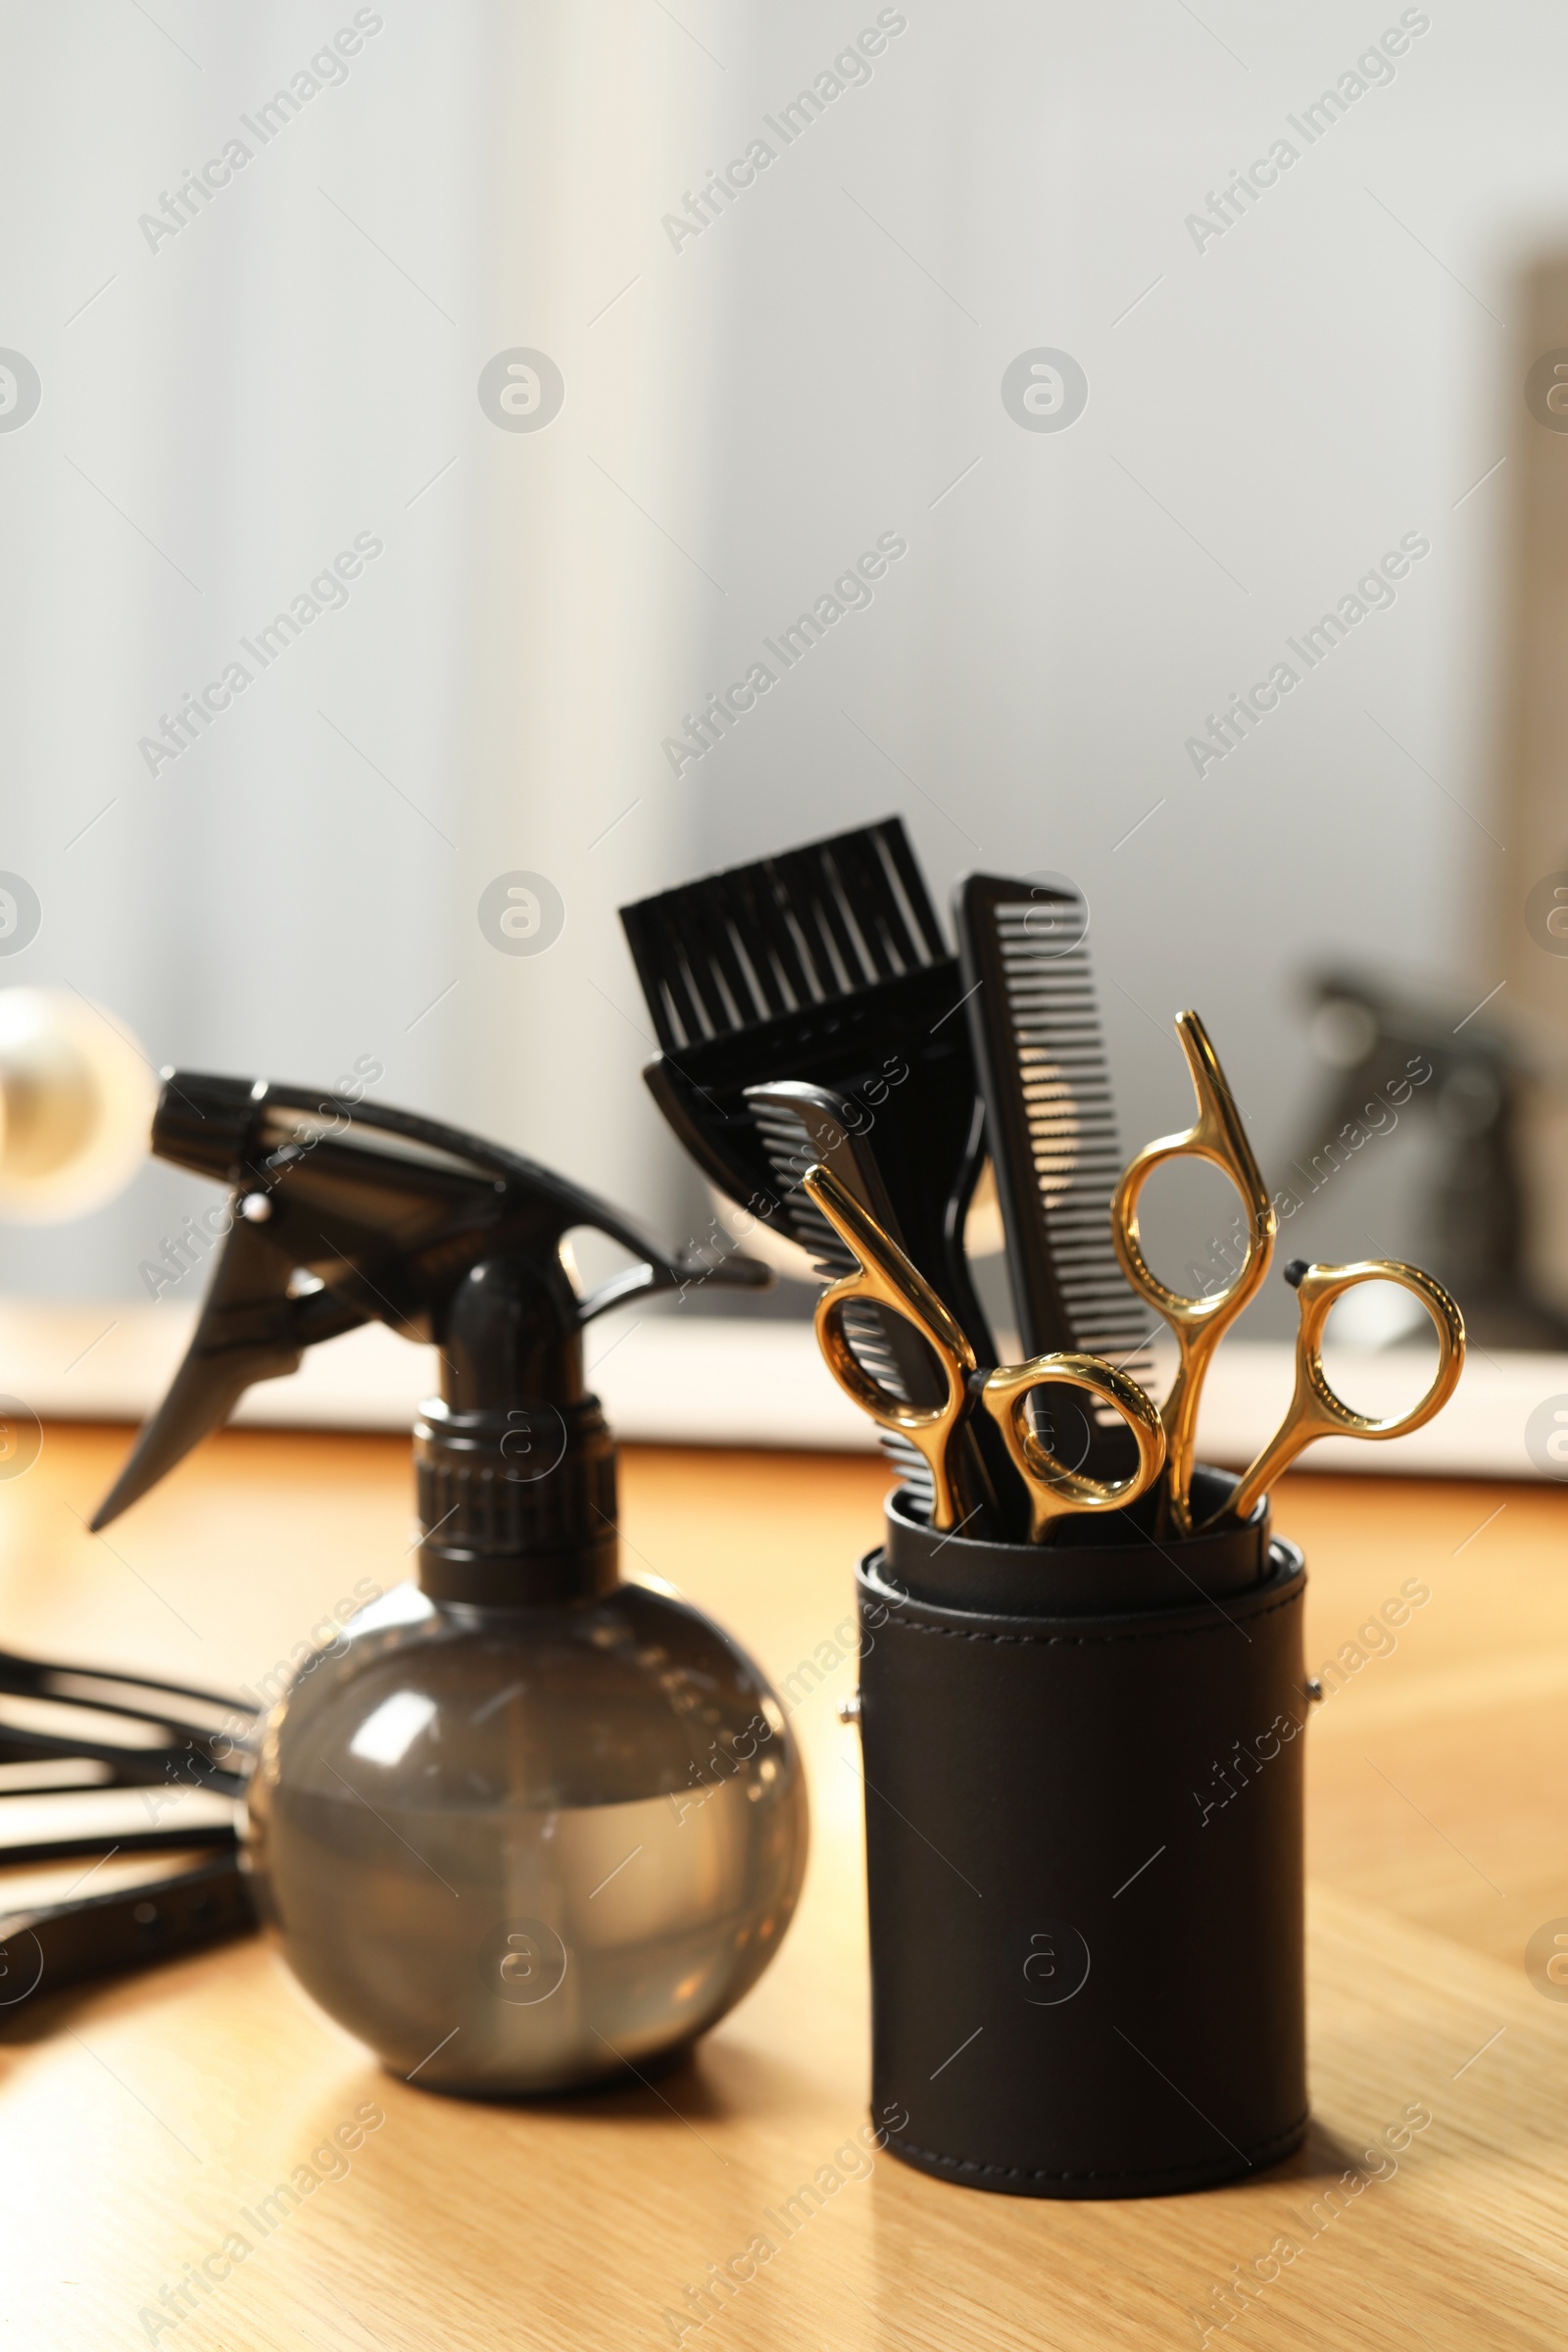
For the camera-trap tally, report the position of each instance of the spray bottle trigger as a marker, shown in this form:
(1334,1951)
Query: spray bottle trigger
(249,1329)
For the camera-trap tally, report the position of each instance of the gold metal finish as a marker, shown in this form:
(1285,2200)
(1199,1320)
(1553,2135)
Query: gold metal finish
(1315,1411)
(886,1278)
(1199,1324)
(1052,1488)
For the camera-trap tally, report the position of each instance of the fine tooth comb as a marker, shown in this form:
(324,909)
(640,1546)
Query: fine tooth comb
(806,1126)
(1051,1125)
(825,964)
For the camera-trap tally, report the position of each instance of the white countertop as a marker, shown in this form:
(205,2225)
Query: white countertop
(721,1381)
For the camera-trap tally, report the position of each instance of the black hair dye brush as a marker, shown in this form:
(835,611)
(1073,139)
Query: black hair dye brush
(825,964)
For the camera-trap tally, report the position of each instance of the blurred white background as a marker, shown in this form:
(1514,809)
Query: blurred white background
(225,409)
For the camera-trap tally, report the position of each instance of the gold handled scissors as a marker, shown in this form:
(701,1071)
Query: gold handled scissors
(1051,1487)
(1199,1324)
(1316,1410)
(886,1277)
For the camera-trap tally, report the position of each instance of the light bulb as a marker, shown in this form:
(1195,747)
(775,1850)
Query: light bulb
(76,1100)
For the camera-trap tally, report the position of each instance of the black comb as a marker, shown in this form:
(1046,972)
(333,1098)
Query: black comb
(825,964)
(1052,1126)
(804,1126)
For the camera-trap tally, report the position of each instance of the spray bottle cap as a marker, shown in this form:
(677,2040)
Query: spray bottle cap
(343,1212)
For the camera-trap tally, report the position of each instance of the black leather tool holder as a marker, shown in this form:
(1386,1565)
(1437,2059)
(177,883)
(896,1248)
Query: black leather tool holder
(1083,1768)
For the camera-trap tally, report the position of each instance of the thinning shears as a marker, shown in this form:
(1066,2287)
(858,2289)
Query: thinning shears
(940,1431)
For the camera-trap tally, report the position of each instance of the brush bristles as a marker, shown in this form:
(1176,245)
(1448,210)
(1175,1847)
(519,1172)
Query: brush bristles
(803,928)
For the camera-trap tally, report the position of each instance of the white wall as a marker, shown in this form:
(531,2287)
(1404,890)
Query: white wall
(814,368)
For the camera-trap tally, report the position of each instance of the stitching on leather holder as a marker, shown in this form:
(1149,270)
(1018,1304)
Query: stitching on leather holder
(1190,1632)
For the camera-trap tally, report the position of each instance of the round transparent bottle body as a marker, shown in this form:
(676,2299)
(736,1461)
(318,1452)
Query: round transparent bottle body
(516,1849)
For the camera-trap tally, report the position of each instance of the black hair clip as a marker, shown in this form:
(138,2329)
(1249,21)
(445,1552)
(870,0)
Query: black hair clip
(70,1737)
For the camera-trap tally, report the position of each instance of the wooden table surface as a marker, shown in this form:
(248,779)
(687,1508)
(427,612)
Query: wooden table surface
(138,2119)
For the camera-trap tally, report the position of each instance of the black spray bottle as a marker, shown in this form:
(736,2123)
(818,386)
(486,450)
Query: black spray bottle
(526,1824)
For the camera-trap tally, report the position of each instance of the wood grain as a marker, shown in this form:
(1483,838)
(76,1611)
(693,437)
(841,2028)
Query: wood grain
(140,2122)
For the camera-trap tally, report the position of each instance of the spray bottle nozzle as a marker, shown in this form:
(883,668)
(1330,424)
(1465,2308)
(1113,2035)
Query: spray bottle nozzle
(341,1213)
